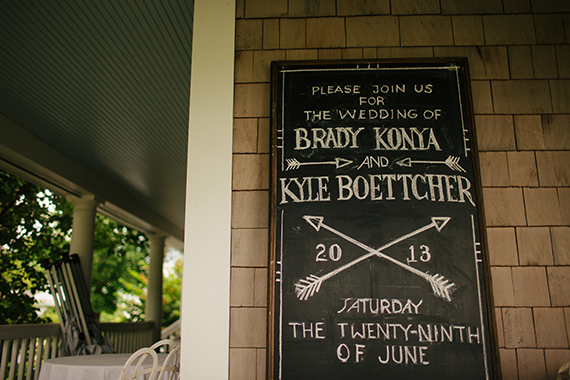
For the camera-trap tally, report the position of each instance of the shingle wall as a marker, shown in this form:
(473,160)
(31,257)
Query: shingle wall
(519,57)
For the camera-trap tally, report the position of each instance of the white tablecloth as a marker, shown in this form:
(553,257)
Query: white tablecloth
(88,367)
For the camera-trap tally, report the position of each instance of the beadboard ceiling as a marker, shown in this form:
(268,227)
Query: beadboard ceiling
(106,84)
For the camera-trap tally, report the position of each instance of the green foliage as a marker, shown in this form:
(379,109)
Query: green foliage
(51,315)
(120,253)
(132,300)
(172,292)
(34,225)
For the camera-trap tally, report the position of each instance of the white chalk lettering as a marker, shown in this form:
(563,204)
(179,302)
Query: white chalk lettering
(371,161)
(347,113)
(426,89)
(371,100)
(464,190)
(317,115)
(358,334)
(423,333)
(359,352)
(303,191)
(343,352)
(404,355)
(330,90)
(405,138)
(429,187)
(308,330)
(378,113)
(452,333)
(432,114)
(471,335)
(331,138)
(385,89)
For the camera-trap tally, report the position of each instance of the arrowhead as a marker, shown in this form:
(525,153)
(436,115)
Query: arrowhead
(340,162)
(407,162)
(314,221)
(440,222)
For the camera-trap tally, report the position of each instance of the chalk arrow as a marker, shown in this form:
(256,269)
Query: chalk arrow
(451,161)
(441,287)
(293,163)
(314,221)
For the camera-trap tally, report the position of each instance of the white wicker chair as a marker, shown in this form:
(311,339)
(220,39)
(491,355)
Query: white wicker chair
(164,346)
(170,366)
(139,369)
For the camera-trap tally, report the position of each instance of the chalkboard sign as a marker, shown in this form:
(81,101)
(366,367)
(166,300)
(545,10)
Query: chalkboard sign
(377,263)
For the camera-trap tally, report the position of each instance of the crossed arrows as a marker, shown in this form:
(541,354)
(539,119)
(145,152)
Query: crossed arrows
(309,286)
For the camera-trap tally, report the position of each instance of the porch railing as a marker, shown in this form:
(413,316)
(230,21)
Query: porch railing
(23,348)
(171,332)
(128,337)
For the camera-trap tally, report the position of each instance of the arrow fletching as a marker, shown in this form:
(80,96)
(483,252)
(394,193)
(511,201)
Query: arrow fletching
(453,163)
(305,288)
(292,164)
(441,286)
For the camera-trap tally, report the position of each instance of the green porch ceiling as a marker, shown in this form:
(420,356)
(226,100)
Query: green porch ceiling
(104,85)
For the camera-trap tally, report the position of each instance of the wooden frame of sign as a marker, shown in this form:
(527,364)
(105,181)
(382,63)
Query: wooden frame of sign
(378,265)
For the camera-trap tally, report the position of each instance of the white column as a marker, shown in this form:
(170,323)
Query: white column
(83,233)
(206,282)
(153,308)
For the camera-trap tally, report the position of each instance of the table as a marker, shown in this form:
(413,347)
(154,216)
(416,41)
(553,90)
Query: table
(88,367)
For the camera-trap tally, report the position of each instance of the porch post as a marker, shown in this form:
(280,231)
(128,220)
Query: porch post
(153,309)
(83,233)
(205,322)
